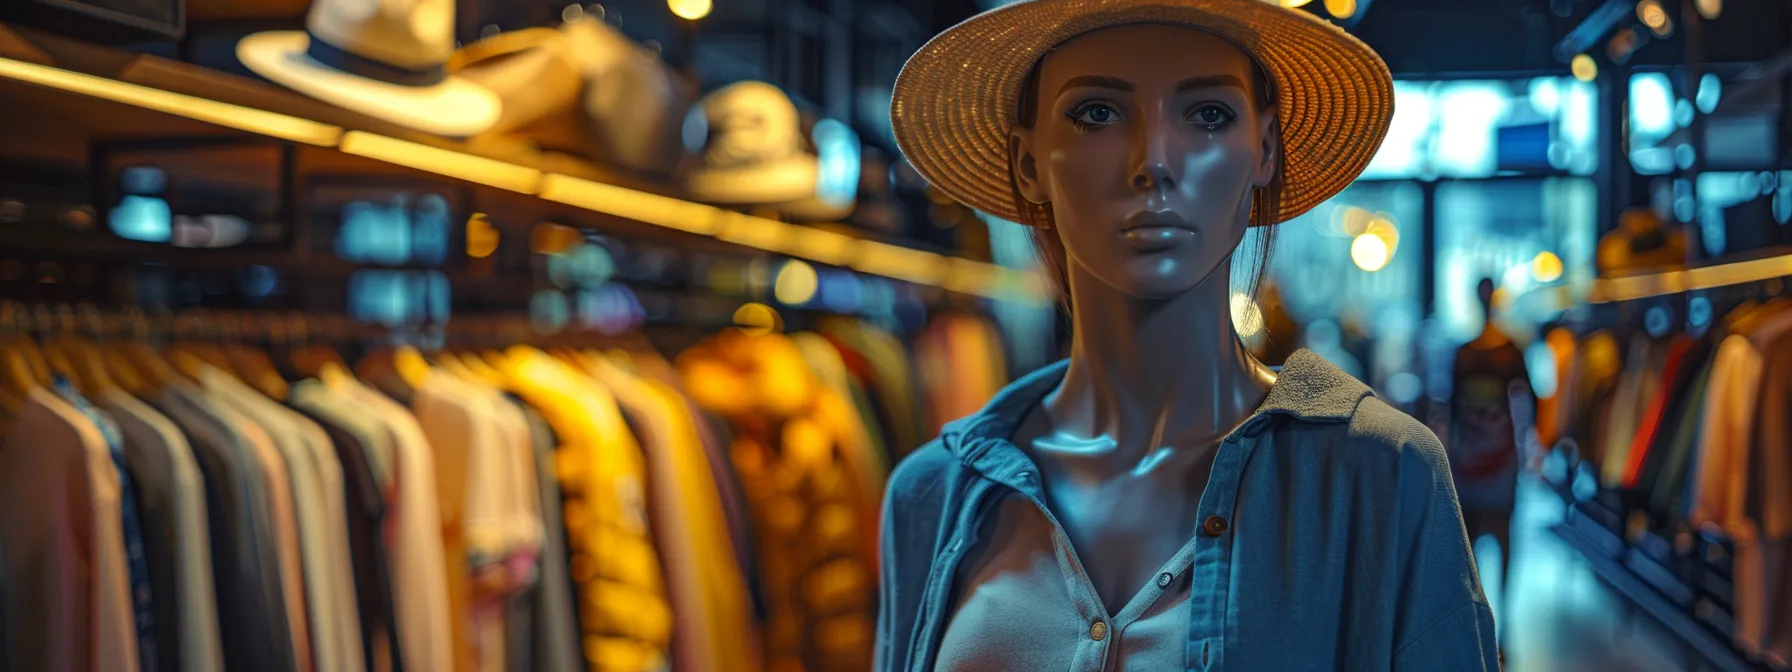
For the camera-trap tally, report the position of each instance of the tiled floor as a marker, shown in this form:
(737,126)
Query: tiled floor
(1558,616)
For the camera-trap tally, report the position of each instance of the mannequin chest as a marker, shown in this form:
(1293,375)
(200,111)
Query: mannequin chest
(1124,526)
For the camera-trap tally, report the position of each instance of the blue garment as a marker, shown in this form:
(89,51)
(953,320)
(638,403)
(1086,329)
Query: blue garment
(136,559)
(1343,545)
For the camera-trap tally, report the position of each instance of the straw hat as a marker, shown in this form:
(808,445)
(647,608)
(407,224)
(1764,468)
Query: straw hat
(754,153)
(584,88)
(382,58)
(956,99)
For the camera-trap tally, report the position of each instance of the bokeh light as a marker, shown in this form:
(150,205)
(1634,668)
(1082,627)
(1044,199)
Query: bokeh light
(757,319)
(1369,252)
(1341,9)
(690,10)
(1584,68)
(796,283)
(1546,267)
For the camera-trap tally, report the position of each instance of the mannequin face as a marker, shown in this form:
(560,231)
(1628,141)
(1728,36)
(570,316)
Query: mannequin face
(1147,144)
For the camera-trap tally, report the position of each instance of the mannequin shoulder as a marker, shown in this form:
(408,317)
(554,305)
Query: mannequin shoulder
(1383,435)
(921,475)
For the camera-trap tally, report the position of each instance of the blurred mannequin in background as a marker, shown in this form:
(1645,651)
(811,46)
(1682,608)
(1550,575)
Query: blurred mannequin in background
(1490,404)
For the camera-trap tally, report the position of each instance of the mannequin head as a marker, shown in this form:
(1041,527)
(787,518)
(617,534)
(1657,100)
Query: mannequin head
(1142,153)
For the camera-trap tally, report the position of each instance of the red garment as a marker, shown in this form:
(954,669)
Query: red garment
(1671,370)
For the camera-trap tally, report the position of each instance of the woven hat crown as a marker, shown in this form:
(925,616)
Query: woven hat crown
(955,101)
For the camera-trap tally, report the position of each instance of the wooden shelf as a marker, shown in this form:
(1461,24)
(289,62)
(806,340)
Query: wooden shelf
(91,94)
(1760,266)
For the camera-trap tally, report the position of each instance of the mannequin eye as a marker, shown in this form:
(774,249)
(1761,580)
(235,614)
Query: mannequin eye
(1211,116)
(1093,115)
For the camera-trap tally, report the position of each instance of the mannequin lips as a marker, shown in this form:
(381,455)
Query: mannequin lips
(1156,231)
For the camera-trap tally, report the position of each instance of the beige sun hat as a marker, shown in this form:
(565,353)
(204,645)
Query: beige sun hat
(382,58)
(957,98)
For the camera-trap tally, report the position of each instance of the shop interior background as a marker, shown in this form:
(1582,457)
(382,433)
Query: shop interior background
(1618,168)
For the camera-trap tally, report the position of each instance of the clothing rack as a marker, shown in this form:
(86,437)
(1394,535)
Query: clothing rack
(1637,532)
(617,429)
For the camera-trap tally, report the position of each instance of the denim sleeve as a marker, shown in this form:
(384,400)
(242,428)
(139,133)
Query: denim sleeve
(1446,623)
(884,652)
(1462,642)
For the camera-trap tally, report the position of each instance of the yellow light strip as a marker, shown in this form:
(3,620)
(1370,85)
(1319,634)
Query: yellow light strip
(1606,290)
(260,122)
(1740,272)
(446,162)
(827,247)
(769,235)
(901,263)
(757,232)
(970,277)
(627,203)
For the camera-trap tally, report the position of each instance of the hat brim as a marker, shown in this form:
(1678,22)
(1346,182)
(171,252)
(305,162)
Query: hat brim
(791,178)
(955,102)
(454,107)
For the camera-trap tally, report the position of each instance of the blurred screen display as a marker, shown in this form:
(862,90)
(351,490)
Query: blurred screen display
(218,196)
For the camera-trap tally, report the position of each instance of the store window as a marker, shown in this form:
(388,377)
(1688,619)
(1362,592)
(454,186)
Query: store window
(1482,128)
(1525,234)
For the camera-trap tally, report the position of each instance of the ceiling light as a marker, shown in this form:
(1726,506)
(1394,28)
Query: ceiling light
(690,10)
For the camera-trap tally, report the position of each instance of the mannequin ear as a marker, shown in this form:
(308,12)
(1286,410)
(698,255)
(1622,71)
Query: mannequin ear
(1025,167)
(1271,133)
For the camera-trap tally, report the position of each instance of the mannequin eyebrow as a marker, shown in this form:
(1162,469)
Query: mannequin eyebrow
(1099,82)
(1118,84)
(1210,82)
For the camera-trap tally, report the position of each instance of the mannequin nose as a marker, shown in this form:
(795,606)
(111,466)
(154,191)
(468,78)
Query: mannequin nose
(1152,167)
(1153,174)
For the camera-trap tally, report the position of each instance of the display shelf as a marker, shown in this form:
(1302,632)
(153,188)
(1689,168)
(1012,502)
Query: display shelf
(153,97)
(1611,569)
(1762,266)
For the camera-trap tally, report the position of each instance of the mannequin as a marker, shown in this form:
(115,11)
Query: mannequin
(1161,499)
(1148,209)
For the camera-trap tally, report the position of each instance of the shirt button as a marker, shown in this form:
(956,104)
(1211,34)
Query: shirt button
(1164,579)
(1098,631)
(1215,526)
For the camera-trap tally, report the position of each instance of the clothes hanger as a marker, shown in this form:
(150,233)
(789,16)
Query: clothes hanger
(253,365)
(382,369)
(99,348)
(133,354)
(189,354)
(484,370)
(311,360)
(408,362)
(25,366)
(94,378)
(452,365)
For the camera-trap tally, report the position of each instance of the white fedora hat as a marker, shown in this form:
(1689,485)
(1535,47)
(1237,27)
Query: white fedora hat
(755,150)
(382,58)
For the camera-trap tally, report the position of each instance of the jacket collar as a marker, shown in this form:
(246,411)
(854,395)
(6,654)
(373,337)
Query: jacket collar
(1307,388)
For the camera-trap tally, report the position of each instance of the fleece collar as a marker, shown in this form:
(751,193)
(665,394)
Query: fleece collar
(1307,388)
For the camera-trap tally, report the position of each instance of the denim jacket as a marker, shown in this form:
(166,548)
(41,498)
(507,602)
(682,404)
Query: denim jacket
(1344,547)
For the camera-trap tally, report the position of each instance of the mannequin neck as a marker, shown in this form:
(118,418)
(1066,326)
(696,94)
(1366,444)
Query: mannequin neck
(1155,373)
